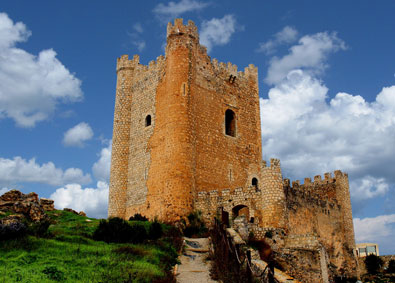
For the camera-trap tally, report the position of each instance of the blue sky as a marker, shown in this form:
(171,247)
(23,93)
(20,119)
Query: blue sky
(327,87)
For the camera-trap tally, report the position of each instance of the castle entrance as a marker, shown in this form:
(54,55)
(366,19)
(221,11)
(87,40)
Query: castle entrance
(240,210)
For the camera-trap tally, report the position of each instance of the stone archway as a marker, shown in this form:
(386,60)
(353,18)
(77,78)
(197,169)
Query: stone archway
(241,210)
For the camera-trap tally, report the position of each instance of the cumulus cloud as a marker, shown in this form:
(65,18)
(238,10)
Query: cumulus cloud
(22,170)
(93,201)
(77,135)
(311,135)
(368,187)
(217,31)
(174,9)
(101,168)
(286,35)
(31,86)
(380,229)
(310,54)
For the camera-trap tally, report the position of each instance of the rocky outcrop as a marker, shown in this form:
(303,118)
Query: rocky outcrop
(24,205)
(47,204)
(81,213)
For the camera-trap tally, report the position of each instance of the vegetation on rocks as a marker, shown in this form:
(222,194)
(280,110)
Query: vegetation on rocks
(64,249)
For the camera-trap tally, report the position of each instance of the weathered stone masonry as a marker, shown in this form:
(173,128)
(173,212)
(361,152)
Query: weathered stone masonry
(187,136)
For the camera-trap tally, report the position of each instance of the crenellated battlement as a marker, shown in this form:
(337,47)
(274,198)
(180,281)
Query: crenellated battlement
(124,63)
(179,29)
(231,69)
(274,163)
(317,180)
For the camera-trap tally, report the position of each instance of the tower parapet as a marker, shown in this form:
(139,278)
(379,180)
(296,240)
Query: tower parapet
(179,29)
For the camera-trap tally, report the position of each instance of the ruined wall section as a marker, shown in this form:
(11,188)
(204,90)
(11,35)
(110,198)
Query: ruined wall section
(315,218)
(120,140)
(144,84)
(223,161)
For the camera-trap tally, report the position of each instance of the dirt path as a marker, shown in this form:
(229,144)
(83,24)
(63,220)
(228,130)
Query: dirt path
(194,267)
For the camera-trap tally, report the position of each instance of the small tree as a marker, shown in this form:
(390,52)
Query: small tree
(373,264)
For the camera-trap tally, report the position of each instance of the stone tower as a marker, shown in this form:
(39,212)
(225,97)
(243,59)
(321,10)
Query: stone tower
(184,124)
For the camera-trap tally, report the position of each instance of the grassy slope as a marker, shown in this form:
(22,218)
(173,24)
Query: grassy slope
(69,255)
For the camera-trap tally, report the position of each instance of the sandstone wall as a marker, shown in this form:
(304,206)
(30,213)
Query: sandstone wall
(318,219)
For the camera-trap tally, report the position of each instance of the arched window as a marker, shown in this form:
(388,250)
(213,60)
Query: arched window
(254,182)
(148,120)
(230,123)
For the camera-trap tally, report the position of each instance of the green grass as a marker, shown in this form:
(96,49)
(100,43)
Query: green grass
(70,255)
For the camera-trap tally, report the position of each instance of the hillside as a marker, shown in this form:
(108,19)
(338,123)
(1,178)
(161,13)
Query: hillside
(66,252)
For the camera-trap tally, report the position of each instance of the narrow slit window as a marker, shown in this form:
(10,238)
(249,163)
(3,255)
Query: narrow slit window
(230,123)
(148,120)
(254,182)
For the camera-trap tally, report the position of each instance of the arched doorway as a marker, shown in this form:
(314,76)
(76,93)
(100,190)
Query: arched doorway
(241,210)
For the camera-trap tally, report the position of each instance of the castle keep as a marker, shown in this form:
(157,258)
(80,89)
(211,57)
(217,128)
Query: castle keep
(187,136)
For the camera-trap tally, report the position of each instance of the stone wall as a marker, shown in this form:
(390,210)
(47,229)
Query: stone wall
(263,202)
(317,217)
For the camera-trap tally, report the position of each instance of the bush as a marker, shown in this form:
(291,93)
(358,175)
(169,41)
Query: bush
(155,230)
(117,230)
(174,237)
(138,217)
(196,226)
(391,266)
(373,264)
(39,229)
(12,231)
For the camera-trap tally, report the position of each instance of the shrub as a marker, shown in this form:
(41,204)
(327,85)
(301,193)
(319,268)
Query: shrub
(39,229)
(196,226)
(174,237)
(373,264)
(155,231)
(137,234)
(391,266)
(138,217)
(12,231)
(117,230)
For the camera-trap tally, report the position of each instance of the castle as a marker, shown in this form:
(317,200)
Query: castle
(187,136)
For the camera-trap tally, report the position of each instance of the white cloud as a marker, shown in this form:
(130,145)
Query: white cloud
(31,86)
(21,170)
(4,190)
(77,135)
(138,28)
(93,201)
(135,36)
(101,168)
(380,229)
(174,9)
(310,54)
(286,35)
(368,187)
(217,31)
(313,136)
